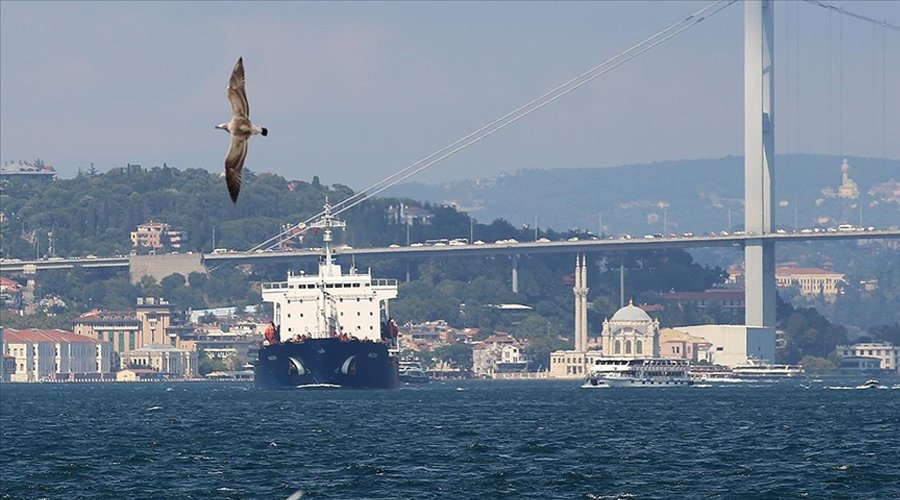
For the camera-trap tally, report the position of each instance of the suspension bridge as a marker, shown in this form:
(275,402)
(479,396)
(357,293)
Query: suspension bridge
(758,241)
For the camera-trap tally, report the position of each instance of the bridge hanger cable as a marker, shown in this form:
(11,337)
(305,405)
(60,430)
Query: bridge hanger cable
(515,115)
(841,10)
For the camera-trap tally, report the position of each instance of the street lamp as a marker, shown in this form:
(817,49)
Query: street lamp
(664,205)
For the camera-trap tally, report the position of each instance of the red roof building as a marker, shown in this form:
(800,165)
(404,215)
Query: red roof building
(54,354)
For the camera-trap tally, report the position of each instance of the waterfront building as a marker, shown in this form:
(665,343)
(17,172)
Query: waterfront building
(572,364)
(733,345)
(865,355)
(240,341)
(501,353)
(55,355)
(676,344)
(164,359)
(129,330)
(630,333)
(7,368)
(137,375)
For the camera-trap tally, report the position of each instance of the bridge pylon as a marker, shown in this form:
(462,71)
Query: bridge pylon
(759,160)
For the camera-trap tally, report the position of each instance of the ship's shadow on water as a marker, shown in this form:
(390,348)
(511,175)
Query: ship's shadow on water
(534,439)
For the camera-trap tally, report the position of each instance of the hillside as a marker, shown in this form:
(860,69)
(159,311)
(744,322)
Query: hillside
(699,194)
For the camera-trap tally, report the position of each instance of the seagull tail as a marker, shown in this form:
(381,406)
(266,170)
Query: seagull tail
(264,131)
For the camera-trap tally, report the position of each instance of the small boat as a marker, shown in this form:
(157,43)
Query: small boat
(411,372)
(870,384)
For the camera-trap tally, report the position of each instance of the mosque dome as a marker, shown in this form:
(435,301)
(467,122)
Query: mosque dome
(631,313)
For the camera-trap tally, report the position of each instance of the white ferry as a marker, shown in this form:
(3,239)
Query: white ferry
(627,372)
(759,370)
(714,374)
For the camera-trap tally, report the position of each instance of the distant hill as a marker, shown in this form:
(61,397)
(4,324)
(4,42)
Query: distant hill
(699,195)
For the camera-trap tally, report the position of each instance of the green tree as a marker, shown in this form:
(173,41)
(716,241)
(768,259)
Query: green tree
(456,355)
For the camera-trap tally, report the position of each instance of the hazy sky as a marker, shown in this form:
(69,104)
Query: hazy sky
(353,92)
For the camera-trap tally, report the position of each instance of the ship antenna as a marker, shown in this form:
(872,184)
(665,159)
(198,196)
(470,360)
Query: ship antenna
(327,223)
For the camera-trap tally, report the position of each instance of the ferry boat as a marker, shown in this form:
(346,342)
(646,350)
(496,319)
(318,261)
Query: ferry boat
(333,328)
(411,372)
(759,370)
(714,374)
(648,372)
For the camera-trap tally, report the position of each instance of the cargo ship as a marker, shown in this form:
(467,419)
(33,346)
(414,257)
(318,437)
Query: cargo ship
(332,329)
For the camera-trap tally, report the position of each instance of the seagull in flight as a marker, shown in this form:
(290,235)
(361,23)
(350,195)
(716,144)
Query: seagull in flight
(240,129)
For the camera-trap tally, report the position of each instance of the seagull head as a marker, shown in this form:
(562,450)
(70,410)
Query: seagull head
(223,126)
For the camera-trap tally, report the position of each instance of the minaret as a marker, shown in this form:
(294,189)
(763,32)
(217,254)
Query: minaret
(580,290)
(576,290)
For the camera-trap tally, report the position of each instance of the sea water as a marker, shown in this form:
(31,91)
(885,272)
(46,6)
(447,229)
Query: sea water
(476,439)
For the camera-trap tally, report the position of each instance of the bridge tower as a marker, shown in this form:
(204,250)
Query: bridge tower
(759,160)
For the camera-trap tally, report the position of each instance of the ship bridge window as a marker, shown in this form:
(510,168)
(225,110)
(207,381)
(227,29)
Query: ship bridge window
(356,285)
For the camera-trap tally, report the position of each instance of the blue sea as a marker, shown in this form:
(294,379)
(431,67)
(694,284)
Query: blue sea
(475,439)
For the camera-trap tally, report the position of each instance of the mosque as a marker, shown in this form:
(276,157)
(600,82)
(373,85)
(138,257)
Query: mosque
(848,188)
(632,333)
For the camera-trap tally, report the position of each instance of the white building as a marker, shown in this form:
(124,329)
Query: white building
(887,354)
(165,359)
(571,363)
(733,345)
(55,355)
(498,354)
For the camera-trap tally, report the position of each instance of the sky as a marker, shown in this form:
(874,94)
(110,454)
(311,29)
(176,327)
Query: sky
(354,92)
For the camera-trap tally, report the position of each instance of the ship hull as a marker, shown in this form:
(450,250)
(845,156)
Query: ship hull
(326,363)
(635,382)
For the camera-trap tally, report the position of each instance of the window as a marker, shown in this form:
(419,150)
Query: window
(618,347)
(639,347)
(627,347)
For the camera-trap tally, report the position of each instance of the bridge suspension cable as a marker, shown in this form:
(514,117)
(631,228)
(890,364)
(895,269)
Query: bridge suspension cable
(841,10)
(513,116)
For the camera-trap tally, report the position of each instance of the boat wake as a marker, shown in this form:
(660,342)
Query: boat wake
(318,386)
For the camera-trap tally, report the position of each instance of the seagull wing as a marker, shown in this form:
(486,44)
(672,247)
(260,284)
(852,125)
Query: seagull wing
(236,93)
(234,165)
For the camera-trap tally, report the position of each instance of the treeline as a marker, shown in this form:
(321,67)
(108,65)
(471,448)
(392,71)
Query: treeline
(95,213)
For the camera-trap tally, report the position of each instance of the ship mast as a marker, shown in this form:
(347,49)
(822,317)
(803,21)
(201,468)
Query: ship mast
(327,223)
